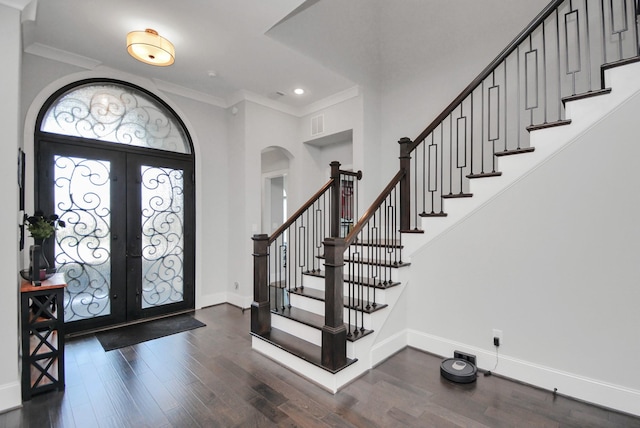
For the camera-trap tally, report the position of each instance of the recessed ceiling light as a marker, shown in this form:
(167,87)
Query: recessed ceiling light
(298,91)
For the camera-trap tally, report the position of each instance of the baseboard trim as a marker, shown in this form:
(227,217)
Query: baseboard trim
(389,346)
(568,384)
(10,396)
(234,299)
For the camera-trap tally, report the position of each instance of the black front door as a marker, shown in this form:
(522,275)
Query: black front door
(127,250)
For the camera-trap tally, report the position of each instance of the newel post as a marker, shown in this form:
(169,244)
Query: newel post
(334,332)
(260,311)
(335,199)
(405,184)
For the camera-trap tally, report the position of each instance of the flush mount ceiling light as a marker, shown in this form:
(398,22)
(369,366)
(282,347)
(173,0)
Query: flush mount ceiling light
(147,46)
(298,91)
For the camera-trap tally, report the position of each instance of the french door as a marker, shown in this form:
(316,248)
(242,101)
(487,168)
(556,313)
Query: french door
(127,250)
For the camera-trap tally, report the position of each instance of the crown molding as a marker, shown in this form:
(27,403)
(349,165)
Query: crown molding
(62,56)
(324,103)
(190,93)
(15,4)
(331,100)
(244,95)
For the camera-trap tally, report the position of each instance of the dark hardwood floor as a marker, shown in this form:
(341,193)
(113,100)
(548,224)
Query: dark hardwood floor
(210,377)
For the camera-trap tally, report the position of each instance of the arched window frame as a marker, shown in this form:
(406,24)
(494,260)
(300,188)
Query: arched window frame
(129,129)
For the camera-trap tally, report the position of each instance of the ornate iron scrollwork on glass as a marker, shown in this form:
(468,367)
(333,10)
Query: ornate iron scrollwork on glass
(116,114)
(162,236)
(83,247)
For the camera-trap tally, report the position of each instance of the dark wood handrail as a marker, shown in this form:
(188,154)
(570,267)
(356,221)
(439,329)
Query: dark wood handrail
(551,7)
(357,228)
(279,231)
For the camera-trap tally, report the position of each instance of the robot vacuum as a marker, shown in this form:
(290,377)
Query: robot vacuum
(458,370)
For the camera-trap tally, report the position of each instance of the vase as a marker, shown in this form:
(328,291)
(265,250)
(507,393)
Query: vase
(39,267)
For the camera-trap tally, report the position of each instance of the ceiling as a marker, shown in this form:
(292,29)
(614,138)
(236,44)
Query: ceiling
(228,49)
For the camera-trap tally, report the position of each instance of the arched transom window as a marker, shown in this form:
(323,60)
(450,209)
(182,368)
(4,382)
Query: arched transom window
(118,114)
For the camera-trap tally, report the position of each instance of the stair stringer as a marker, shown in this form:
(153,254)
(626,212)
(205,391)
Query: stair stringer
(584,114)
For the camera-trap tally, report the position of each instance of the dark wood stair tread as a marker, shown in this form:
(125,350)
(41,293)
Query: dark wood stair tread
(548,125)
(383,243)
(298,347)
(356,304)
(457,195)
(484,174)
(433,214)
(278,284)
(519,151)
(369,282)
(586,95)
(314,320)
(384,263)
(416,230)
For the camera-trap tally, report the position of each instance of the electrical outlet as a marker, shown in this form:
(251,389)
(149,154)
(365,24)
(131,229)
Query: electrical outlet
(497,334)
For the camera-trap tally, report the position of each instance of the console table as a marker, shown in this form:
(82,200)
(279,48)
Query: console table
(42,312)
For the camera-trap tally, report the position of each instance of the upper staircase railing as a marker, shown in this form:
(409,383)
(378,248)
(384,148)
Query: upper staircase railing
(558,57)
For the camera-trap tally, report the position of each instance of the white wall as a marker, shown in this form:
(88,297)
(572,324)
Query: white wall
(10,42)
(252,129)
(207,125)
(553,263)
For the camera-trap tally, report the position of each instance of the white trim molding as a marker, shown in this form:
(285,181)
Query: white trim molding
(10,396)
(564,383)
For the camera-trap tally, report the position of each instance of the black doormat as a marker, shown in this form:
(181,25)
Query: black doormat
(138,333)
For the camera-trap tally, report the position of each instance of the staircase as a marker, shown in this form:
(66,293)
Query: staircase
(329,305)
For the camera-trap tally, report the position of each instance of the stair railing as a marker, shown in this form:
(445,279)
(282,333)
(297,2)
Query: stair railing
(373,249)
(558,57)
(296,247)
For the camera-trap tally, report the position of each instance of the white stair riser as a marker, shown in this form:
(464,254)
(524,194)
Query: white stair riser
(371,321)
(317,307)
(381,296)
(303,331)
(318,284)
(317,375)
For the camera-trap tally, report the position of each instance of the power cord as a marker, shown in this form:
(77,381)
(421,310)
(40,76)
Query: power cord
(488,373)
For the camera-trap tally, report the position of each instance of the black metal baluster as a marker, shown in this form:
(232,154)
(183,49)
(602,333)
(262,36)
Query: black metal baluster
(482,128)
(425,188)
(586,17)
(506,109)
(458,146)
(294,253)
(518,94)
(619,32)
(493,125)
(441,164)
(560,115)
(350,289)
(472,132)
(544,70)
(450,156)
(577,67)
(604,33)
(636,17)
